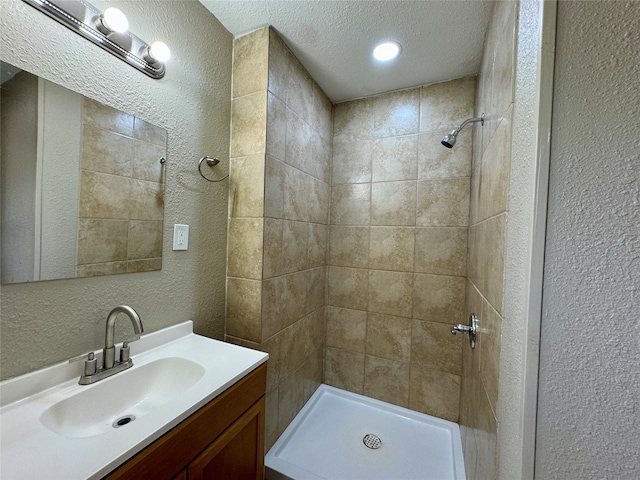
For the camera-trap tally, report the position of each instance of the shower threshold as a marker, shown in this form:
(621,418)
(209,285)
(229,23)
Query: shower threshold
(340,435)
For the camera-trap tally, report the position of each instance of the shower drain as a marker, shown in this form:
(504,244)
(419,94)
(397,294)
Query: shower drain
(372,441)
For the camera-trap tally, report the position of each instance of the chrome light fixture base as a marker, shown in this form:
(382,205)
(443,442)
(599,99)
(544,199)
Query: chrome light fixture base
(81,17)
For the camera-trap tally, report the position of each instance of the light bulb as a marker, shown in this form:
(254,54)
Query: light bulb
(114,20)
(159,52)
(386,51)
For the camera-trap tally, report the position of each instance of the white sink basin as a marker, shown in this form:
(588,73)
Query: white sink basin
(122,398)
(54,428)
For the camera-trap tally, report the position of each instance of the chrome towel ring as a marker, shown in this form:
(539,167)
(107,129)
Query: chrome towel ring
(211,162)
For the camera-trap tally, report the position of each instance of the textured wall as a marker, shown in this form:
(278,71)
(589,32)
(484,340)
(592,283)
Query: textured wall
(488,213)
(589,377)
(278,219)
(398,246)
(47,322)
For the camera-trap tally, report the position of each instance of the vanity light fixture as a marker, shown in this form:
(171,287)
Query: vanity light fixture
(108,30)
(387,51)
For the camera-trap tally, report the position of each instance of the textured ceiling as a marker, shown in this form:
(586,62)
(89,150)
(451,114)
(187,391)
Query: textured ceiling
(333,39)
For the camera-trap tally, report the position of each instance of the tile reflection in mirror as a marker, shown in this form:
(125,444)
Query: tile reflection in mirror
(82,183)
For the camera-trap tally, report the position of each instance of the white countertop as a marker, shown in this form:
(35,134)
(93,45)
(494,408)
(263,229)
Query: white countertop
(29,450)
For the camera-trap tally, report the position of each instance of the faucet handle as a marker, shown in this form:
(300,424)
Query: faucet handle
(125,352)
(90,364)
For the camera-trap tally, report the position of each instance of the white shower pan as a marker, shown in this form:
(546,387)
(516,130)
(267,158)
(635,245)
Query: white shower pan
(326,441)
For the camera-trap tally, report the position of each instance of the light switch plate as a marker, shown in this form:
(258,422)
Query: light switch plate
(180,237)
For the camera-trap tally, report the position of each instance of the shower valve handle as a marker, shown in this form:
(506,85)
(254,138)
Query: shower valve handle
(471,329)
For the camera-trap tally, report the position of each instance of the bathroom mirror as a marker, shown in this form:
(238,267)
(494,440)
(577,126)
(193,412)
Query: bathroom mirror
(82,184)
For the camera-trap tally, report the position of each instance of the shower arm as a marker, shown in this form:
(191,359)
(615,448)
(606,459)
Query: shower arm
(468,120)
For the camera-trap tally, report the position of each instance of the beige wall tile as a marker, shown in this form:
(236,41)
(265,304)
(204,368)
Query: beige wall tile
(295,242)
(271,316)
(276,127)
(491,259)
(101,241)
(344,369)
(145,239)
(295,344)
(105,117)
(389,337)
(397,113)
(318,201)
(318,245)
(104,196)
(99,269)
(321,164)
(395,158)
(278,65)
(504,62)
(146,201)
(434,393)
(299,195)
(489,347)
(441,250)
(393,203)
(147,132)
(494,181)
(486,439)
(298,147)
(444,106)
(247,186)
(349,246)
(248,124)
(146,161)
(352,161)
(392,248)
(107,152)
(274,188)
(244,258)
(476,236)
(353,120)
(273,253)
(272,432)
(144,265)
(390,292)
(321,118)
(435,161)
(443,203)
(250,60)
(347,287)
(312,374)
(346,328)
(386,380)
(438,298)
(351,204)
(291,399)
(243,308)
(299,89)
(433,346)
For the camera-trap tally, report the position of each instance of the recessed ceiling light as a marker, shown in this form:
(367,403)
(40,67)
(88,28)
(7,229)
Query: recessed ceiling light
(386,51)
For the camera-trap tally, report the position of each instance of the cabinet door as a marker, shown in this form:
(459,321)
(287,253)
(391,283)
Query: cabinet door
(238,453)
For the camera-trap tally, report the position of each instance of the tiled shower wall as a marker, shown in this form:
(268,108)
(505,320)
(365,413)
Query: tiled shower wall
(121,192)
(278,219)
(398,246)
(488,219)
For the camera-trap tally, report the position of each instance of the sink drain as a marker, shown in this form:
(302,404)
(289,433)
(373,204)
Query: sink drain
(122,421)
(372,441)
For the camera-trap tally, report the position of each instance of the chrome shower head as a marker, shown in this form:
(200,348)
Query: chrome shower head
(449,140)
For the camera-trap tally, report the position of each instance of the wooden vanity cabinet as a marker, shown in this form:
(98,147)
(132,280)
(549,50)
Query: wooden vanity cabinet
(222,440)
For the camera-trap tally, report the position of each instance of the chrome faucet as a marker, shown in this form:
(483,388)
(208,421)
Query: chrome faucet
(110,367)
